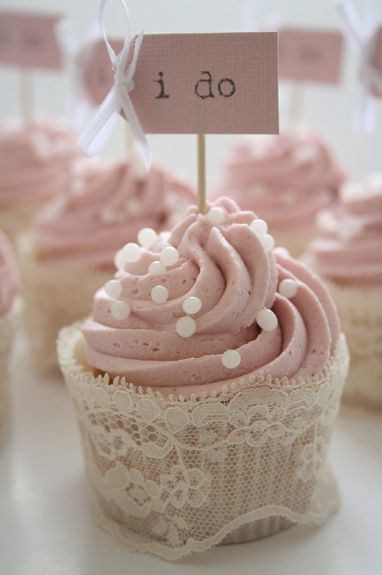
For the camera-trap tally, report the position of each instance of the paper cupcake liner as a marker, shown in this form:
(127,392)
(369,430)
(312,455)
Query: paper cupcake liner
(55,295)
(16,219)
(173,475)
(360,310)
(295,241)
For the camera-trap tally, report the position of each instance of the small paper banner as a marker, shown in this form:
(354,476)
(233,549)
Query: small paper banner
(196,83)
(376,60)
(28,40)
(308,55)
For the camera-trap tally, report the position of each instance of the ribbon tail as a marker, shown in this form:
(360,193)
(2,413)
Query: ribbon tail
(137,130)
(95,134)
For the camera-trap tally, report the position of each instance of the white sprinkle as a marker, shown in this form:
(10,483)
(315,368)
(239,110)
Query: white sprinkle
(147,237)
(350,228)
(159,294)
(192,305)
(108,217)
(157,269)
(42,146)
(185,326)
(267,242)
(288,288)
(231,359)
(352,190)
(77,187)
(216,216)
(281,252)
(134,207)
(267,320)
(169,256)
(306,154)
(259,227)
(120,309)
(120,260)
(375,183)
(131,252)
(113,288)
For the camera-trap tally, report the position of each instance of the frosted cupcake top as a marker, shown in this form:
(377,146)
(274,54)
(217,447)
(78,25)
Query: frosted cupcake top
(191,310)
(105,206)
(9,279)
(348,246)
(285,179)
(34,161)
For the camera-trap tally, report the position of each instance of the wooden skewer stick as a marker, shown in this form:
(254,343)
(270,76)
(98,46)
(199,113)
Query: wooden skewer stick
(296,105)
(201,144)
(26,104)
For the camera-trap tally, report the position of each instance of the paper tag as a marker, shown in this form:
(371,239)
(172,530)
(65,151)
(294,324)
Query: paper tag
(376,59)
(310,55)
(28,40)
(197,83)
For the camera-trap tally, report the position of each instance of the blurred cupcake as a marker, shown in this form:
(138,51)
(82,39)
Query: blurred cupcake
(348,255)
(35,160)
(9,313)
(70,252)
(286,180)
(206,383)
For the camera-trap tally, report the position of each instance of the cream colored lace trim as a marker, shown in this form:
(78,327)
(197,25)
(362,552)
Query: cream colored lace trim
(171,475)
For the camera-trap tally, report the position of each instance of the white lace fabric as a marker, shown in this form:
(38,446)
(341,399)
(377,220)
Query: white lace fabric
(173,475)
(360,311)
(55,295)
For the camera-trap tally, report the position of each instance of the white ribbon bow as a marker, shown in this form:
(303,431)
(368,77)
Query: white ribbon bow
(362,36)
(118,99)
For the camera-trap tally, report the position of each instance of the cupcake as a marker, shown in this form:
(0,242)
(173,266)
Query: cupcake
(35,160)
(206,384)
(70,252)
(347,254)
(9,313)
(286,180)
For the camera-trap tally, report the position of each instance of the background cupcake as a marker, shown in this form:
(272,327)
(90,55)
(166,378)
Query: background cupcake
(35,160)
(236,366)
(286,180)
(347,253)
(9,313)
(70,253)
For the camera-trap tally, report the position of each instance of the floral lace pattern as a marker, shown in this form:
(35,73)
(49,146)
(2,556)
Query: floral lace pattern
(173,475)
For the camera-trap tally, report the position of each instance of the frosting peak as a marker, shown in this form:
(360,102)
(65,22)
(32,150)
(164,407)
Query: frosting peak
(9,280)
(227,306)
(348,246)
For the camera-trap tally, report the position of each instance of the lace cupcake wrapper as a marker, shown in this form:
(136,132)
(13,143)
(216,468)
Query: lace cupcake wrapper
(54,297)
(16,218)
(360,311)
(8,328)
(173,475)
(295,241)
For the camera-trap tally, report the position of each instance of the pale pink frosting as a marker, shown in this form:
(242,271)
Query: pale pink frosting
(285,179)
(227,267)
(105,207)
(348,248)
(9,279)
(35,158)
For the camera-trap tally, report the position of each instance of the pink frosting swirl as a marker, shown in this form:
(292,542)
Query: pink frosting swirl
(9,279)
(35,158)
(285,179)
(348,247)
(228,268)
(105,207)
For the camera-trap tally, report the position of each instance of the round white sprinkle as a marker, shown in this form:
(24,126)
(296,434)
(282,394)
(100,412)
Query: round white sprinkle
(120,260)
(77,187)
(185,326)
(267,242)
(134,207)
(157,269)
(231,359)
(216,216)
(306,154)
(281,251)
(288,288)
(131,252)
(169,256)
(159,294)
(147,237)
(113,288)
(192,305)
(120,310)
(267,320)
(259,227)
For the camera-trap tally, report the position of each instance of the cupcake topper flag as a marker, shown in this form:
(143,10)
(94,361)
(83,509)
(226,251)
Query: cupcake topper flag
(366,38)
(29,41)
(183,84)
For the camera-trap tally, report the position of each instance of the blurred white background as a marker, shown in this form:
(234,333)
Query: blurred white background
(328,109)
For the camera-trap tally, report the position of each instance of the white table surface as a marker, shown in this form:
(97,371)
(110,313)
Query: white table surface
(46,526)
